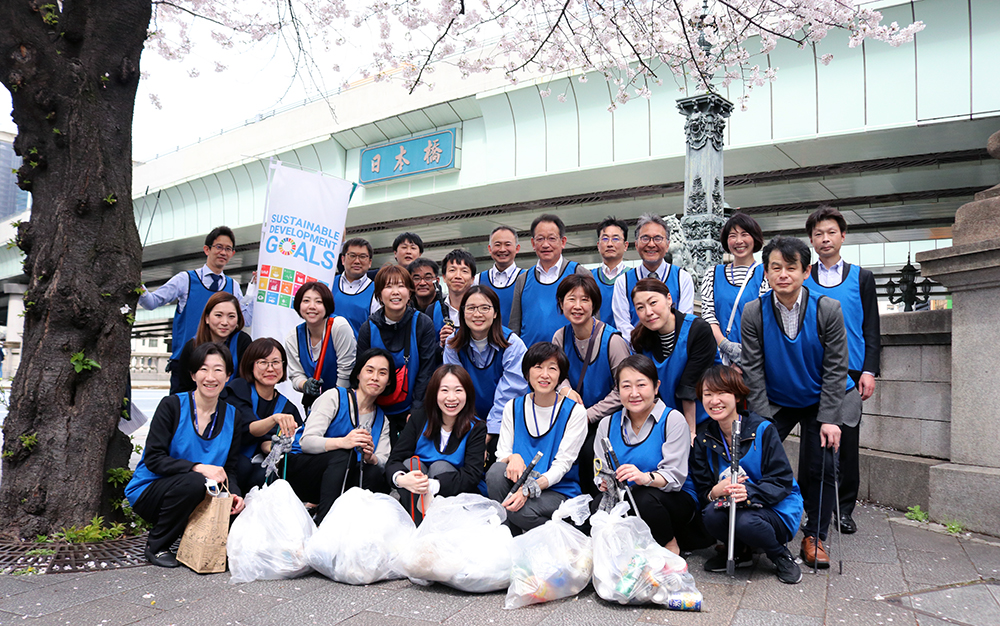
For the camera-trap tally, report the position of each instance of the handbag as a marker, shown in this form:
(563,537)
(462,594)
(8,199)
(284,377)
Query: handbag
(402,378)
(203,545)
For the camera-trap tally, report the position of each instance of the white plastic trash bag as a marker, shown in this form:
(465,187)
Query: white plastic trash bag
(631,568)
(360,538)
(462,543)
(267,540)
(554,560)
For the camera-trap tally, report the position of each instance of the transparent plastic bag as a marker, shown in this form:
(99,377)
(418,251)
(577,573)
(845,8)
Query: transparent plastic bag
(554,560)
(267,540)
(462,543)
(360,538)
(631,568)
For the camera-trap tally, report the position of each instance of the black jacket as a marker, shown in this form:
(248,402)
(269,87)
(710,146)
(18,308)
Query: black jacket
(466,479)
(238,393)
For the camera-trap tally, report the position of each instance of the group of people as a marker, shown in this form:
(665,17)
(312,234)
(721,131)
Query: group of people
(432,394)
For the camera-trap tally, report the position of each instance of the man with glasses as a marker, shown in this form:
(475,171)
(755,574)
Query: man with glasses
(426,286)
(534,313)
(503,247)
(192,289)
(612,242)
(353,291)
(652,240)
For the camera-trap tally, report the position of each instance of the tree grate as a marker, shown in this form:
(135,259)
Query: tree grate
(72,558)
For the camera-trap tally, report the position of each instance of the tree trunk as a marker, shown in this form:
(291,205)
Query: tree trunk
(73,75)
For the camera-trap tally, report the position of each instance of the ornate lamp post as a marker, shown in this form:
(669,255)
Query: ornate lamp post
(907,287)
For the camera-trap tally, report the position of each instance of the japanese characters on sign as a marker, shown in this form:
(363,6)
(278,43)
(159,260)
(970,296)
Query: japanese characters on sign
(427,154)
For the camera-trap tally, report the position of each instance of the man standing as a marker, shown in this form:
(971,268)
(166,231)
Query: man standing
(534,313)
(503,247)
(192,289)
(459,270)
(426,286)
(353,290)
(612,242)
(854,288)
(652,240)
(795,364)
(406,248)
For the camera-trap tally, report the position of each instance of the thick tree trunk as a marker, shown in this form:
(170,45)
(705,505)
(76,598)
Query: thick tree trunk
(73,75)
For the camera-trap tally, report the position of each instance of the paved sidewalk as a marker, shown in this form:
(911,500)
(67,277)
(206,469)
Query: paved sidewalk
(895,573)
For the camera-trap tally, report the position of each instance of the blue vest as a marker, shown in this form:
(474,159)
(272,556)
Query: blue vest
(600,380)
(484,379)
(793,368)
(527,445)
(344,422)
(428,452)
(605,314)
(506,294)
(670,370)
(279,405)
(186,320)
(329,373)
(848,293)
(400,358)
(646,454)
(354,307)
(189,445)
(725,298)
(438,317)
(673,283)
(789,509)
(540,317)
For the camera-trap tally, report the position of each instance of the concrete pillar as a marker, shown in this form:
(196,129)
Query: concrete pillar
(968,488)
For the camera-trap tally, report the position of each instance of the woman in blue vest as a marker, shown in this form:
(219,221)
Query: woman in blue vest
(409,336)
(491,354)
(601,346)
(193,437)
(321,349)
(725,289)
(267,411)
(221,322)
(443,453)
(652,443)
(345,441)
(769,505)
(542,421)
(681,346)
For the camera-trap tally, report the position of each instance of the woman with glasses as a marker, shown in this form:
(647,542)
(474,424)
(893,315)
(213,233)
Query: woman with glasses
(269,413)
(221,322)
(491,354)
(322,347)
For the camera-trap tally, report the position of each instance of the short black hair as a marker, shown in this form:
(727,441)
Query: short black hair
(823,213)
(549,217)
(459,256)
(611,220)
(220,231)
(356,242)
(789,248)
(258,350)
(202,351)
(640,363)
(421,262)
(541,352)
(748,224)
(324,294)
(411,237)
(583,281)
(362,360)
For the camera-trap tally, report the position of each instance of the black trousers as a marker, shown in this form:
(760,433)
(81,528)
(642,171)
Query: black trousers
(250,475)
(756,528)
(395,423)
(321,478)
(850,475)
(669,514)
(585,461)
(811,465)
(167,503)
(176,376)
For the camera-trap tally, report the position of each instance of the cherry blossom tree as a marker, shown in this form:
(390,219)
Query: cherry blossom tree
(72,67)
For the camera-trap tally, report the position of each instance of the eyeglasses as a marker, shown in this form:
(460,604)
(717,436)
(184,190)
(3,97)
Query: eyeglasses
(482,308)
(265,365)
(428,278)
(655,239)
(616,239)
(354,256)
(221,248)
(552,239)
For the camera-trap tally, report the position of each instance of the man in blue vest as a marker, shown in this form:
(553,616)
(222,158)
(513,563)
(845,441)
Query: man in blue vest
(854,288)
(353,289)
(795,363)
(459,270)
(612,242)
(652,241)
(406,248)
(534,314)
(192,289)
(503,248)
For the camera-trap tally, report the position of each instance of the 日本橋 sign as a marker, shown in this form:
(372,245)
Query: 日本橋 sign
(406,158)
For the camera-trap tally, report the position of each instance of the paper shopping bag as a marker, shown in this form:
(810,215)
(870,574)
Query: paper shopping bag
(203,545)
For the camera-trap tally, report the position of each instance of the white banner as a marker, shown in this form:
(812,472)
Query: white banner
(300,241)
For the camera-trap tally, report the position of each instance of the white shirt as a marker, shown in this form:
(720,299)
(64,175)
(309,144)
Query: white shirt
(549,276)
(344,343)
(324,410)
(833,276)
(569,446)
(612,274)
(621,301)
(177,289)
(501,280)
(352,287)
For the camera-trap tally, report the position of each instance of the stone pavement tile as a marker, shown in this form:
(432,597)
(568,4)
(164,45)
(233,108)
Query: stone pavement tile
(13,585)
(220,609)
(328,603)
(487,610)
(166,589)
(969,604)
(292,588)
(929,569)
(370,618)
(103,612)
(995,590)
(910,538)
(873,543)
(719,606)
(986,558)
(696,566)
(867,613)
(765,592)
(747,617)
(866,581)
(70,592)
(435,603)
(589,610)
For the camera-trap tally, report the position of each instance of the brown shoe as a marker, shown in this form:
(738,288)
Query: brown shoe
(813,553)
